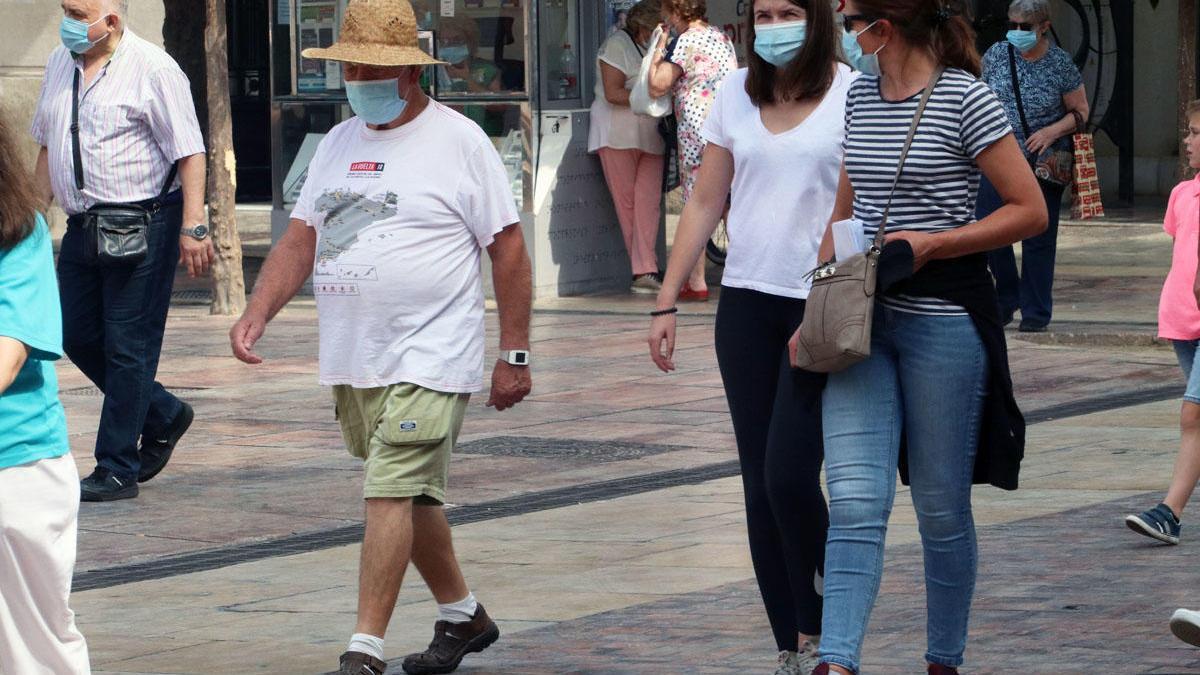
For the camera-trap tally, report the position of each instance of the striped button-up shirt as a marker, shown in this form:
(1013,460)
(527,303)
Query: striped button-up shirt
(136,118)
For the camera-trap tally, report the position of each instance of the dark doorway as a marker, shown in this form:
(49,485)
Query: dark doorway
(250,97)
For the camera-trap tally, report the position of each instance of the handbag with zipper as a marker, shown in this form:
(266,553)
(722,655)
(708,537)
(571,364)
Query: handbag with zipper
(836,330)
(1051,166)
(120,231)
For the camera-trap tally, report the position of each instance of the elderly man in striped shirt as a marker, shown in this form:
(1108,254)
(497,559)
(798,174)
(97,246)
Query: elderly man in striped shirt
(136,142)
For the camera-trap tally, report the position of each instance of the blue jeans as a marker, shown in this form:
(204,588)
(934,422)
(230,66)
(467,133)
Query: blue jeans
(1185,351)
(925,378)
(113,324)
(1031,292)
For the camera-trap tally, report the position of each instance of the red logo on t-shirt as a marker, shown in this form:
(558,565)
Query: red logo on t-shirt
(366,166)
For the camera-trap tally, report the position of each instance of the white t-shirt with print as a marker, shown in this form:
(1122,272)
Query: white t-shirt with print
(784,186)
(402,216)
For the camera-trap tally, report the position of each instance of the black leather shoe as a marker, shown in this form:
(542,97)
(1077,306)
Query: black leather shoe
(451,642)
(1032,328)
(357,663)
(103,486)
(156,452)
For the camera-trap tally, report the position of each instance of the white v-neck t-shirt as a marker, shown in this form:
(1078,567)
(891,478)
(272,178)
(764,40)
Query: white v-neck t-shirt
(784,186)
(402,216)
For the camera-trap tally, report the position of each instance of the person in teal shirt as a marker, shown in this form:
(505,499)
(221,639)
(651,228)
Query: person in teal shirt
(39,483)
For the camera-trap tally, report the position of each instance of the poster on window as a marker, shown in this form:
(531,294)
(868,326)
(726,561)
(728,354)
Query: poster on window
(316,23)
(618,11)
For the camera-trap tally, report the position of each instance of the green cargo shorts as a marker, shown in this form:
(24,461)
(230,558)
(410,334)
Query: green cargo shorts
(404,433)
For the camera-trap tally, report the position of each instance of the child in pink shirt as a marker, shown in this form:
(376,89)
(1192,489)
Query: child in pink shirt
(1179,322)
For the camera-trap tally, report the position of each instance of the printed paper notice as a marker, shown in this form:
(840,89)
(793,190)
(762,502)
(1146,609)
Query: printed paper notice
(448,8)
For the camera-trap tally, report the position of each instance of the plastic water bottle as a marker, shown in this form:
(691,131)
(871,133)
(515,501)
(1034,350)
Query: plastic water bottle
(567,69)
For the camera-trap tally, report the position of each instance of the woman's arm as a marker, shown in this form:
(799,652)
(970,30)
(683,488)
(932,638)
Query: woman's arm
(614,85)
(843,208)
(1074,102)
(700,217)
(1022,216)
(13,354)
(663,73)
(698,221)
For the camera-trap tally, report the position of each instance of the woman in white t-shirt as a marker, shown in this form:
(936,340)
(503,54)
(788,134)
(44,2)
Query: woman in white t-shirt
(774,138)
(631,151)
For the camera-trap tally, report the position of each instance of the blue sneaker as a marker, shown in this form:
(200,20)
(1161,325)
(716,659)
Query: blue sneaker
(1158,523)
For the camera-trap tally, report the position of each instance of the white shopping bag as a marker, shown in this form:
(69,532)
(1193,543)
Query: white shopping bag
(639,98)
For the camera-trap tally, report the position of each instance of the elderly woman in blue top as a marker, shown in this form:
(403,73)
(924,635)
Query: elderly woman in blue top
(39,484)
(1054,103)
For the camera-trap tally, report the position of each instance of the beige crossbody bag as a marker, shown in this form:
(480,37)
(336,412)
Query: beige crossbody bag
(836,331)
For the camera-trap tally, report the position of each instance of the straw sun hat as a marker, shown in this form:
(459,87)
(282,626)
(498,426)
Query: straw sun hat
(377,33)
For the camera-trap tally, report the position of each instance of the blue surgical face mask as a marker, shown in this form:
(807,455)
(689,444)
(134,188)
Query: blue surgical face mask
(867,63)
(74,34)
(376,101)
(454,54)
(779,43)
(1023,40)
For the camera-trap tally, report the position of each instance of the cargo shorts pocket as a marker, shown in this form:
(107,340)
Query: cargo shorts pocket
(412,415)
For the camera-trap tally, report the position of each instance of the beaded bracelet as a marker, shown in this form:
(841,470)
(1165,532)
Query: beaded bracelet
(664,312)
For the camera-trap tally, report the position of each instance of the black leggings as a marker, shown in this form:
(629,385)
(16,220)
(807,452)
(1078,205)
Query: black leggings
(777,422)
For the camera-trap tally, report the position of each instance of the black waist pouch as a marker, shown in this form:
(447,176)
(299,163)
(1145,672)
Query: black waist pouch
(121,232)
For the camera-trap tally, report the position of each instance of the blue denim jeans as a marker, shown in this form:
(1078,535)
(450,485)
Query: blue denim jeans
(113,324)
(925,378)
(1031,291)
(1185,351)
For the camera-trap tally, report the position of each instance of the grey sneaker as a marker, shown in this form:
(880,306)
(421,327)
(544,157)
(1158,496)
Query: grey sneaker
(808,658)
(789,664)
(645,283)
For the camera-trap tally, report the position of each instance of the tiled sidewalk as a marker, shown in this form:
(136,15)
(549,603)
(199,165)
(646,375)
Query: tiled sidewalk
(648,572)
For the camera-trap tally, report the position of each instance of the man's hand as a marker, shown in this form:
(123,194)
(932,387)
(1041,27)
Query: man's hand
(244,334)
(196,254)
(510,385)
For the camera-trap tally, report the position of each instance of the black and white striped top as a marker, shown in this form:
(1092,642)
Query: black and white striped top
(940,181)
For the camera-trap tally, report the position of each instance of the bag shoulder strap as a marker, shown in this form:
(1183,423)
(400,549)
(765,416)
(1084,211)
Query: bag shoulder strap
(1012,68)
(76,155)
(912,133)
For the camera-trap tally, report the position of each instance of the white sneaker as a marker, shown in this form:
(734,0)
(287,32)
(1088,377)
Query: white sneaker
(1185,624)
(645,283)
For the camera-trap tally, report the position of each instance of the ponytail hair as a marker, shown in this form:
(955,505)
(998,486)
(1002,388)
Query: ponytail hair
(944,26)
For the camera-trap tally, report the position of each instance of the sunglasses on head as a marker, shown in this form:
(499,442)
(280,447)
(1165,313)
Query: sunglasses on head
(848,19)
(1013,25)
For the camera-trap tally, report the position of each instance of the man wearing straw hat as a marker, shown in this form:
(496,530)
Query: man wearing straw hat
(399,203)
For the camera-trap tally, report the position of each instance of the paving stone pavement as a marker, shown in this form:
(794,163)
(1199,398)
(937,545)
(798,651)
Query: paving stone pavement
(655,578)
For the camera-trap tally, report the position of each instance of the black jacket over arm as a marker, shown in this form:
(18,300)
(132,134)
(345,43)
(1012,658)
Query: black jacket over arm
(966,282)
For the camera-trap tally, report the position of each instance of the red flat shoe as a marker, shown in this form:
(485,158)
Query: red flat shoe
(688,294)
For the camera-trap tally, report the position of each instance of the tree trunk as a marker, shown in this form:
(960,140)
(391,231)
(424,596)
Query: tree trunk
(1187,72)
(228,285)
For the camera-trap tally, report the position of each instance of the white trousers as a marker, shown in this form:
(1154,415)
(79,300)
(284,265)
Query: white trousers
(39,511)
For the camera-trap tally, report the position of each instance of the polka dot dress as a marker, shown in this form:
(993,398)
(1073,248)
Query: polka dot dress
(706,56)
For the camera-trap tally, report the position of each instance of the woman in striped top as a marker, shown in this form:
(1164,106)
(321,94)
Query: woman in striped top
(936,381)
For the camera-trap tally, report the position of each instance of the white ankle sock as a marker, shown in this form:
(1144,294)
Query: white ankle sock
(458,612)
(366,644)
